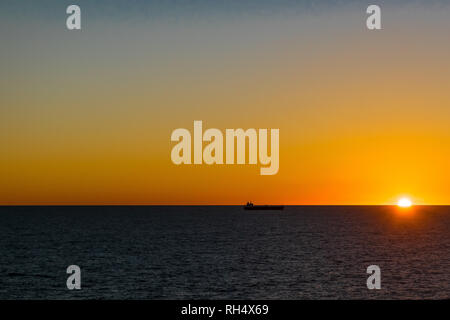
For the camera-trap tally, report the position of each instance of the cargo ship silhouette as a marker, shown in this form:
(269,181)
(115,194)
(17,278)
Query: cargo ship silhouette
(251,206)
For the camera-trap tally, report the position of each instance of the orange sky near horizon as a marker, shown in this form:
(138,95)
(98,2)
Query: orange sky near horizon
(363,116)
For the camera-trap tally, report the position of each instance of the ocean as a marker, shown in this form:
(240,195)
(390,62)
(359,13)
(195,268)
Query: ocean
(224,252)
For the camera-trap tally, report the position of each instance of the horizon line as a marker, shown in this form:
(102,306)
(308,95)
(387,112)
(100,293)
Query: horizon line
(214,205)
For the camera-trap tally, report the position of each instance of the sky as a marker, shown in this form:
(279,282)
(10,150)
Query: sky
(86,116)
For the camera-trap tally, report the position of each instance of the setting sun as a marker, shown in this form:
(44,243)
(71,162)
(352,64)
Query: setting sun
(404,203)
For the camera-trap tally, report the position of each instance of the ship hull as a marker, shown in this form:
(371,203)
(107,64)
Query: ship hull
(263,207)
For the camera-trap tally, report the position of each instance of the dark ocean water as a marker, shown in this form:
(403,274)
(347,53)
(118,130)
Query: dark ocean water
(224,252)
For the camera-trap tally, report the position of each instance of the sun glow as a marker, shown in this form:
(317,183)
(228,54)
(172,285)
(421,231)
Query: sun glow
(404,203)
